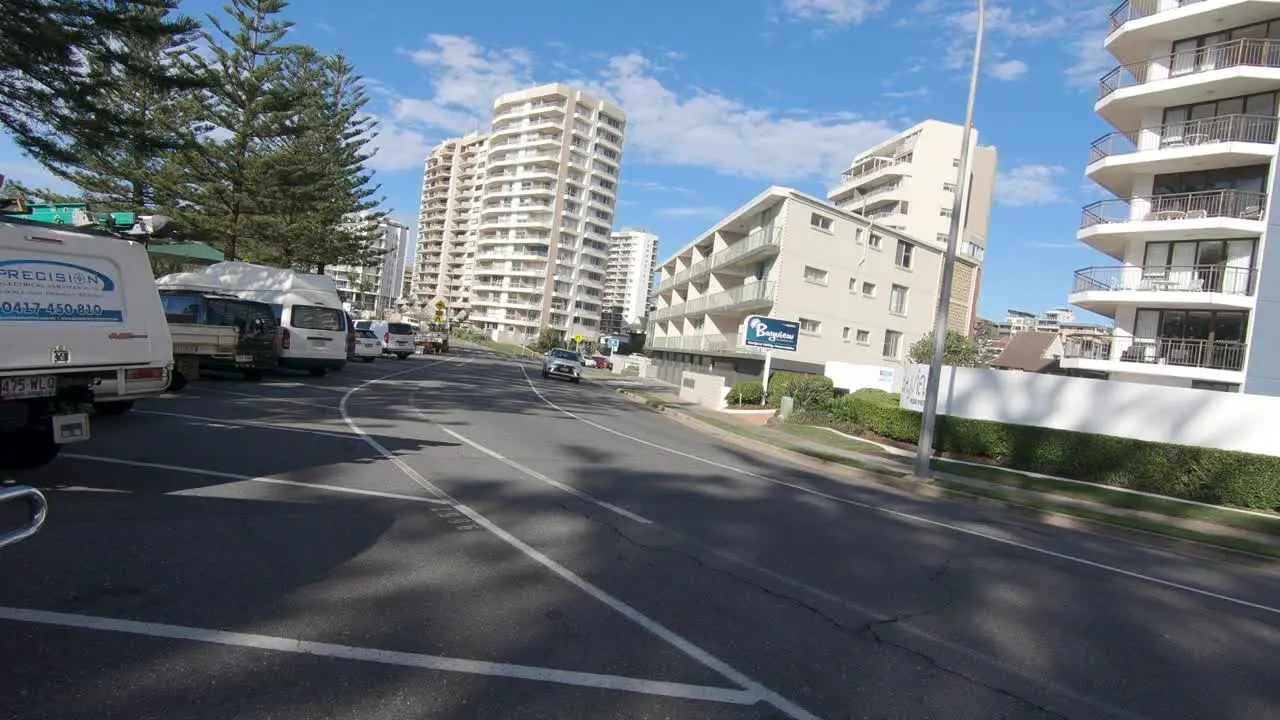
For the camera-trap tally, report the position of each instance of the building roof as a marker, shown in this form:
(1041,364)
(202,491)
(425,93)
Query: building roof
(1029,351)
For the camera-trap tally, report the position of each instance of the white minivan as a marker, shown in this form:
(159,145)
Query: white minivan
(397,337)
(313,325)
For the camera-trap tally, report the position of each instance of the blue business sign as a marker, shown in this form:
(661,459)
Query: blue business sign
(771,333)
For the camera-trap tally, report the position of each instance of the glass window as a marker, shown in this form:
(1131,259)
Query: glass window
(181,309)
(311,317)
(892,343)
(906,251)
(813,327)
(815,275)
(898,299)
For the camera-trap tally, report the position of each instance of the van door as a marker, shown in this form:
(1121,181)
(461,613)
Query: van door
(319,332)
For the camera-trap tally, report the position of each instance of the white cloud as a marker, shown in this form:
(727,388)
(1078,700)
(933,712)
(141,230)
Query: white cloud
(1030,185)
(691,212)
(1009,70)
(839,12)
(397,148)
(695,128)
(920,92)
(466,79)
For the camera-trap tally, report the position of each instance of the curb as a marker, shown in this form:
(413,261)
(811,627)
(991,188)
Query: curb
(928,489)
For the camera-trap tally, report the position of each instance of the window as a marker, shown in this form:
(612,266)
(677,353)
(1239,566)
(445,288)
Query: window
(815,275)
(853,285)
(948,187)
(898,300)
(311,317)
(864,337)
(955,162)
(943,238)
(875,242)
(181,308)
(844,334)
(822,222)
(906,251)
(868,289)
(892,343)
(811,327)
(945,212)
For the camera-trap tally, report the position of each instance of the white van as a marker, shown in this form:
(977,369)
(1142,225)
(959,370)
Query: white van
(313,325)
(77,307)
(397,338)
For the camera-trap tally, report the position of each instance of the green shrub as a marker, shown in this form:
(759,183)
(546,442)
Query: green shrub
(811,392)
(780,386)
(1191,473)
(746,393)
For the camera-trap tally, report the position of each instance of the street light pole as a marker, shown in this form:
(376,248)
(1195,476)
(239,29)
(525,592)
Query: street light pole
(929,416)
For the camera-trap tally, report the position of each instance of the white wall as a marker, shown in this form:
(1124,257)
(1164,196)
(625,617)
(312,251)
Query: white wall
(852,377)
(705,390)
(1180,416)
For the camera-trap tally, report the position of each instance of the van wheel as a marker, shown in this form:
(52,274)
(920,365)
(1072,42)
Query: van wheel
(27,448)
(177,381)
(402,356)
(113,407)
(253,375)
(370,359)
(318,372)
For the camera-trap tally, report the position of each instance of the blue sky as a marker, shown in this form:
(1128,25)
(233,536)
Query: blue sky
(726,98)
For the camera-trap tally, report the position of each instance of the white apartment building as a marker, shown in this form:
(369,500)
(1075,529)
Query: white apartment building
(861,295)
(1192,165)
(547,202)
(448,223)
(907,183)
(376,288)
(628,282)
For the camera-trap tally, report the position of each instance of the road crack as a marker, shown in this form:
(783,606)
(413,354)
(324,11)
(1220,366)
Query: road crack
(858,632)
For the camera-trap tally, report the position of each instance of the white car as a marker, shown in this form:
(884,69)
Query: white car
(368,347)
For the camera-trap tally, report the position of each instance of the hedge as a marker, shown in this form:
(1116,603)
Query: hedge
(808,391)
(746,393)
(1207,475)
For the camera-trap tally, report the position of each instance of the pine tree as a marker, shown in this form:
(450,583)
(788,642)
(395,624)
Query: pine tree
(124,174)
(220,185)
(322,205)
(58,61)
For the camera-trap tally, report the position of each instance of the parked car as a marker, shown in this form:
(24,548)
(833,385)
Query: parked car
(396,337)
(367,347)
(565,364)
(588,361)
(602,362)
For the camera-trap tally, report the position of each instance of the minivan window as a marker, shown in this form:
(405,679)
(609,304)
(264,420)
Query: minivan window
(310,317)
(364,324)
(367,334)
(400,328)
(238,313)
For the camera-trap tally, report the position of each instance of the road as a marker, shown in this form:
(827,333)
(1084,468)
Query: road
(457,538)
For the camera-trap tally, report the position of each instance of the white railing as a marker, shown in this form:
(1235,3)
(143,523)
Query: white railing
(766,237)
(751,294)
(704,343)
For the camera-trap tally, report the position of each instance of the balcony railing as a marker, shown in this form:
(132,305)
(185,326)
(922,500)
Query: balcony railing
(1182,352)
(1167,278)
(874,164)
(703,343)
(1135,9)
(765,237)
(751,294)
(1192,133)
(1236,204)
(1254,52)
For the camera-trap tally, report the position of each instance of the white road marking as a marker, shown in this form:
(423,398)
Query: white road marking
(266,397)
(385,657)
(916,518)
(254,479)
(252,424)
(752,687)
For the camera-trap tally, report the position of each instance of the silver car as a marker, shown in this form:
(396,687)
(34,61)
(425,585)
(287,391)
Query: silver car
(563,364)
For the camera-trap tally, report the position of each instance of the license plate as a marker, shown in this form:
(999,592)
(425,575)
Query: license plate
(28,386)
(244,358)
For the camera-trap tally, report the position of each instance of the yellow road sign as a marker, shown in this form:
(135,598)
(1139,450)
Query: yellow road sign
(578,339)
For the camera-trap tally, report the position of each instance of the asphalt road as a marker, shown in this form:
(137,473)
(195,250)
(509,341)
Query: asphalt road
(457,538)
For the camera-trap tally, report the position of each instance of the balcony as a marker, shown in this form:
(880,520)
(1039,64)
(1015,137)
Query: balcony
(1197,359)
(863,172)
(743,297)
(764,241)
(1104,289)
(1110,225)
(728,343)
(1235,67)
(1218,142)
(1136,25)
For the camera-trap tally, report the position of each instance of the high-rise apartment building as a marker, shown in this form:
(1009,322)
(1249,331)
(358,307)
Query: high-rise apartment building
(448,222)
(516,221)
(907,183)
(1192,165)
(547,211)
(376,287)
(628,283)
(861,294)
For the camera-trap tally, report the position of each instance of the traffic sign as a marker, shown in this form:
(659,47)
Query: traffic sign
(578,339)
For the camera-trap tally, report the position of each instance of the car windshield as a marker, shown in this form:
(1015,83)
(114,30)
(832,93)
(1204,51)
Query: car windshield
(367,334)
(564,355)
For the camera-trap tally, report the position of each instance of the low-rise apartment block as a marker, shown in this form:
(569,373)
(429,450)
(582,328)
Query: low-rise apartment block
(908,183)
(860,292)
